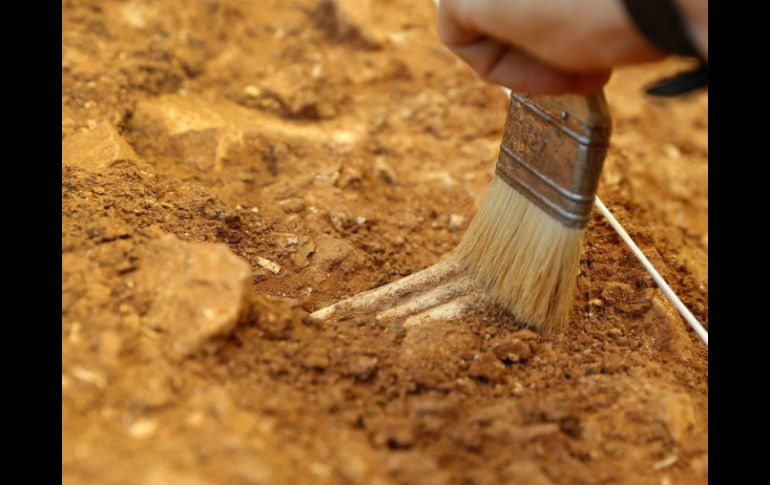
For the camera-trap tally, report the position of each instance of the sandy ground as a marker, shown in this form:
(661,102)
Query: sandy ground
(230,166)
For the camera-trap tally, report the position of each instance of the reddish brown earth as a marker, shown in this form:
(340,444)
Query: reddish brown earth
(230,165)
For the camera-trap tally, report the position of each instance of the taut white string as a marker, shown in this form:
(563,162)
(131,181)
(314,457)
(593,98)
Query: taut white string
(686,313)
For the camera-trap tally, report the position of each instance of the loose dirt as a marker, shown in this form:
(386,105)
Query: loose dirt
(229,166)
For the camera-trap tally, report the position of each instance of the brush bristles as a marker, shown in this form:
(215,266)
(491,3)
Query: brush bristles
(527,260)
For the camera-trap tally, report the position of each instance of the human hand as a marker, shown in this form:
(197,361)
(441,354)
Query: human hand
(544,47)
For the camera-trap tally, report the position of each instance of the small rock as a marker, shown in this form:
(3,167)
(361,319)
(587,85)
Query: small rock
(486,366)
(187,129)
(252,90)
(666,462)
(197,290)
(330,252)
(362,366)
(143,428)
(304,249)
(279,243)
(595,302)
(269,265)
(672,151)
(513,350)
(384,171)
(336,255)
(97,149)
(341,220)
(90,377)
(292,206)
(615,292)
(456,222)
(349,178)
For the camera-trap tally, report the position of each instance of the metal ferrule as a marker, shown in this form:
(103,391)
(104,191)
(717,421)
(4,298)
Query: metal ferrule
(553,150)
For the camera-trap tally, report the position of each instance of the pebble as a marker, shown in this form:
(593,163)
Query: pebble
(97,149)
(384,171)
(143,428)
(269,265)
(90,376)
(304,250)
(666,462)
(198,290)
(672,151)
(456,222)
(362,366)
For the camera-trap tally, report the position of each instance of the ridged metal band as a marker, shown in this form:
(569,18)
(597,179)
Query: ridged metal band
(552,153)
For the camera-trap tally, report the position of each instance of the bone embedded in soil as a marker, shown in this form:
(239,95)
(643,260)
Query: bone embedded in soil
(414,294)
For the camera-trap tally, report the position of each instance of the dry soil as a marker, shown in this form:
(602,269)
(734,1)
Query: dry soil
(229,166)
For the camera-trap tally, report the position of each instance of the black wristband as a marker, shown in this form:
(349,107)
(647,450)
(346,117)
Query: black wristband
(662,24)
(681,83)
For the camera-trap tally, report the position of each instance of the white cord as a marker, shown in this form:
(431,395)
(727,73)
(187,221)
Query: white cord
(686,313)
(683,310)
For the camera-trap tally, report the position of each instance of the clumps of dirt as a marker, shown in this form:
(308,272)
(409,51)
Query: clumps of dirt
(229,167)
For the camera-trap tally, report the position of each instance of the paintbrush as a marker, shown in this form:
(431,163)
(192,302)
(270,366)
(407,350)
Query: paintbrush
(523,246)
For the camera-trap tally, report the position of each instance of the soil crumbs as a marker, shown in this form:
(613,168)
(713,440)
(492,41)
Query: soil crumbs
(229,166)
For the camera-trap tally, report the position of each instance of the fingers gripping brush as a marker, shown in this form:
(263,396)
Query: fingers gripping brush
(524,243)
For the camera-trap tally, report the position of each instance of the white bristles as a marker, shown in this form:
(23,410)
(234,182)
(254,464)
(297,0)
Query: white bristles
(526,259)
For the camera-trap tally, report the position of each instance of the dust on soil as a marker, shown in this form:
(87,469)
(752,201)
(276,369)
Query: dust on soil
(327,145)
